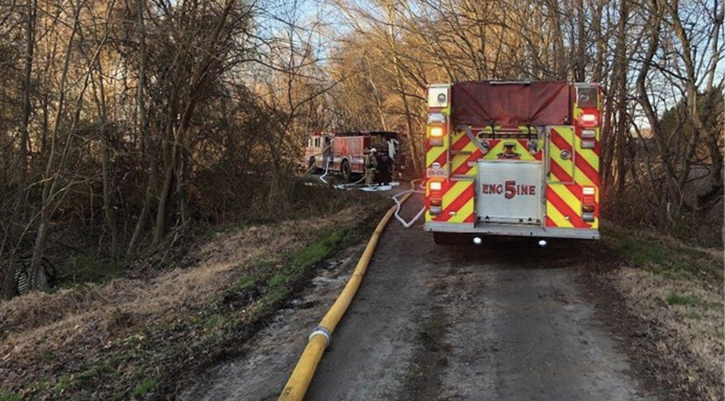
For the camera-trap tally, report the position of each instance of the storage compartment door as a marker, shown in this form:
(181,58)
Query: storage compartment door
(509,192)
(560,149)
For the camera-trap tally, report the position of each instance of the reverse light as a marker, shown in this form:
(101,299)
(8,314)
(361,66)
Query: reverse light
(435,186)
(588,191)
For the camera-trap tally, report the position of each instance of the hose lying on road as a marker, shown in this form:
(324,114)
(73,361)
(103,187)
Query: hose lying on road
(301,377)
(398,205)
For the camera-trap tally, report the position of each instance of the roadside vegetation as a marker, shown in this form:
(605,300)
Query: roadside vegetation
(676,290)
(142,338)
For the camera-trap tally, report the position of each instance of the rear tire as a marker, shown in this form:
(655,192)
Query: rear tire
(346,171)
(450,239)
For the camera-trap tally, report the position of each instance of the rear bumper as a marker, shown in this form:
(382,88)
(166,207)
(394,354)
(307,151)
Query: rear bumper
(512,230)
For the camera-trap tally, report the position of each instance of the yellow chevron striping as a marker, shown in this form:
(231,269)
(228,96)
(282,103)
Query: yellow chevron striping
(568,197)
(457,161)
(462,213)
(473,172)
(566,132)
(454,192)
(555,157)
(555,215)
(587,154)
(470,147)
(458,136)
(433,154)
(582,179)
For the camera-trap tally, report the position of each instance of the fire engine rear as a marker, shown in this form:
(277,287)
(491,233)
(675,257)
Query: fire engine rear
(514,159)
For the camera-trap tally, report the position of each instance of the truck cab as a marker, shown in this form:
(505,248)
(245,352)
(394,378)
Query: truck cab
(513,159)
(316,151)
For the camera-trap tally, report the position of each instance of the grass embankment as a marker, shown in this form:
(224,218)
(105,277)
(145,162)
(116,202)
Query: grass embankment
(677,290)
(133,339)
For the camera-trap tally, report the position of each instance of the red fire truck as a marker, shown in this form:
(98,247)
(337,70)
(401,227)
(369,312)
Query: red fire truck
(513,159)
(344,151)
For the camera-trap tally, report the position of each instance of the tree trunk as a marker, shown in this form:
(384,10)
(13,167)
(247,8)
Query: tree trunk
(14,234)
(143,123)
(621,88)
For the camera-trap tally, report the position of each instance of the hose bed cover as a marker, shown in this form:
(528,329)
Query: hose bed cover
(480,104)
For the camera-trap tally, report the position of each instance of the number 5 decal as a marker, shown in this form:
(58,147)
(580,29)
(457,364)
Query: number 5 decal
(510,189)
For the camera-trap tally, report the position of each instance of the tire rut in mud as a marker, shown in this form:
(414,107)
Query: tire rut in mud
(424,380)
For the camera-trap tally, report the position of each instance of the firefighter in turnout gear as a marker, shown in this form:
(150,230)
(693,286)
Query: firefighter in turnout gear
(385,168)
(371,164)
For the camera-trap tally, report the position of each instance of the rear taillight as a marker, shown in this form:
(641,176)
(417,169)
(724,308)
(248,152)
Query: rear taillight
(588,119)
(588,203)
(435,190)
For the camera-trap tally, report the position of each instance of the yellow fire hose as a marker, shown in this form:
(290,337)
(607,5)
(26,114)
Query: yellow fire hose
(301,377)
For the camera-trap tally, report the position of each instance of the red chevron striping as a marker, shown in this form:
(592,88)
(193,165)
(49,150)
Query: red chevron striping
(458,203)
(550,222)
(559,172)
(576,190)
(442,159)
(564,209)
(559,140)
(471,218)
(465,168)
(461,143)
(583,165)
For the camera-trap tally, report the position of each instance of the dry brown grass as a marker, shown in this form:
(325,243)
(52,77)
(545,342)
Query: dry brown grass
(92,316)
(677,289)
(696,327)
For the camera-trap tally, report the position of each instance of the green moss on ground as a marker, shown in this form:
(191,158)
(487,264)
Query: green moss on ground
(661,255)
(152,361)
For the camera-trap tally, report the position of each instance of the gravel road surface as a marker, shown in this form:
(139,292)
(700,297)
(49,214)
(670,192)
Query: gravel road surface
(507,321)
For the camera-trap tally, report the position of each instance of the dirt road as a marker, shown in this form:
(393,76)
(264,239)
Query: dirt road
(507,321)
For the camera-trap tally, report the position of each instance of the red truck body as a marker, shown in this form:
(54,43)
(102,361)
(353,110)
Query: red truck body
(344,152)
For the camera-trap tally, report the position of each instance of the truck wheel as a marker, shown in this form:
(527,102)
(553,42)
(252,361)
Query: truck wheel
(312,166)
(346,171)
(449,239)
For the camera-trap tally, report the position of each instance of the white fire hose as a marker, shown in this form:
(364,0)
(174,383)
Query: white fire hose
(399,204)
